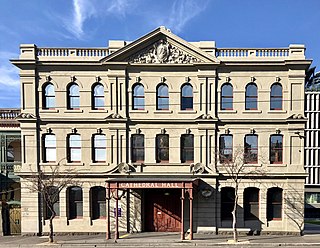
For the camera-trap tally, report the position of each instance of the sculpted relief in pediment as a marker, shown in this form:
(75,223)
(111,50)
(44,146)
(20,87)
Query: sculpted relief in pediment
(163,52)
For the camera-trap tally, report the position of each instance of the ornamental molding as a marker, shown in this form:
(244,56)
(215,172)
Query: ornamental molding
(162,52)
(26,116)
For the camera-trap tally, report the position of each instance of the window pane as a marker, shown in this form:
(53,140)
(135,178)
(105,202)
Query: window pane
(50,102)
(227,203)
(99,102)
(276,90)
(75,140)
(50,154)
(276,148)
(227,103)
(100,154)
(163,103)
(100,141)
(251,90)
(138,103)
(98,90)
(163,91)
(50,141)
(164,154)
(276,103)
(187,103)
(227,90)
(226,144)
(138,90)
(187,148)
(251,103)
(74,90)
(49,90)
(75,154)
(79,209)
(187,90)
(74,102)
(137,147)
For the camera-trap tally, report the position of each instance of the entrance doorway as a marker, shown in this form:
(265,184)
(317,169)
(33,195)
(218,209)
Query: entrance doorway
(162,210)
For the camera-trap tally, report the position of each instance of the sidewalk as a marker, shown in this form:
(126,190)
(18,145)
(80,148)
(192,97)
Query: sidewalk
(159,240)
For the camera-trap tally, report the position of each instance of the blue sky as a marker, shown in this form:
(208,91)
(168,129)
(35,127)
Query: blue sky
(91,23)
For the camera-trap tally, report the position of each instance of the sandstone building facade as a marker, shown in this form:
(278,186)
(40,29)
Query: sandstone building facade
(149,126)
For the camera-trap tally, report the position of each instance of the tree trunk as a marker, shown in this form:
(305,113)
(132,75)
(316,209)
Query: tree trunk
(51,228)
(234,219)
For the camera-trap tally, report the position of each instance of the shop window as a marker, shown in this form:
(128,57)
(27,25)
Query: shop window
(227,202)
(274,204)
(98,203)
(75,203)
(251,203)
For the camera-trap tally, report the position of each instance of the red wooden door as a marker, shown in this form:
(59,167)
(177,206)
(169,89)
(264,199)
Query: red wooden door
(162,211)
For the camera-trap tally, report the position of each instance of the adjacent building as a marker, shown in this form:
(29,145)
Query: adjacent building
(10,162)
(150,126)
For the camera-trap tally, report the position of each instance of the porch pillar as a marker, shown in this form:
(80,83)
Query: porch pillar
(182,214)
(116,232)
(191,213)
(108,211)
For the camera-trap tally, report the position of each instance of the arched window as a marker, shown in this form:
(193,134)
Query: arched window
(73,100)
(54,202)
(225,146)
(274,204)
(276,97)
(99,148)
(227,202)
(187,148)
(251,149)
(98,96)
(162,97)
(49,99)
(75,202)
(226,97)
(98,202)
(137,148)
(276,149)
(138,97)
(162,148)
(186,97)
(74,148)
(251,96)
(49,154)
(251,203)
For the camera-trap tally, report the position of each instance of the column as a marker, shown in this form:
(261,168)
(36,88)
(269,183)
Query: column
(108,211)
(182,214)
(191,213)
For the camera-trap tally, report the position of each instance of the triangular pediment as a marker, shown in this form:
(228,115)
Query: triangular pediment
(160,47)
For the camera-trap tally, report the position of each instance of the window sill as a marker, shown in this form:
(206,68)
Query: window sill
(227,111)
(187,112)
(98,111)
(277,165)
(138,111)
(49,111)
(254,111)
(73,111)
(74,164)
(253,165)
(163,112)
(277,111)
(48,164)
(99,164)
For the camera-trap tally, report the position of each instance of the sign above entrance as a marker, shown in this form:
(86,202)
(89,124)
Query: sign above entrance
(151,185)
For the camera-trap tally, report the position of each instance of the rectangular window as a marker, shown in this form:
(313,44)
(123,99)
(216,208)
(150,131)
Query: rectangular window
(137,146)
(50,148)
(187,147)
(225,145)
(251,149)
(74,148)
(162,150)
(276,149)
(100,148)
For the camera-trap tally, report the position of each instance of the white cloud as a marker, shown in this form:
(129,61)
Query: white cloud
(181,12)
(9,74)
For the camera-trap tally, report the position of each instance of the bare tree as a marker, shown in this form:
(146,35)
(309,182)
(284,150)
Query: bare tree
(294,201)
(49,182)
(234,166)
